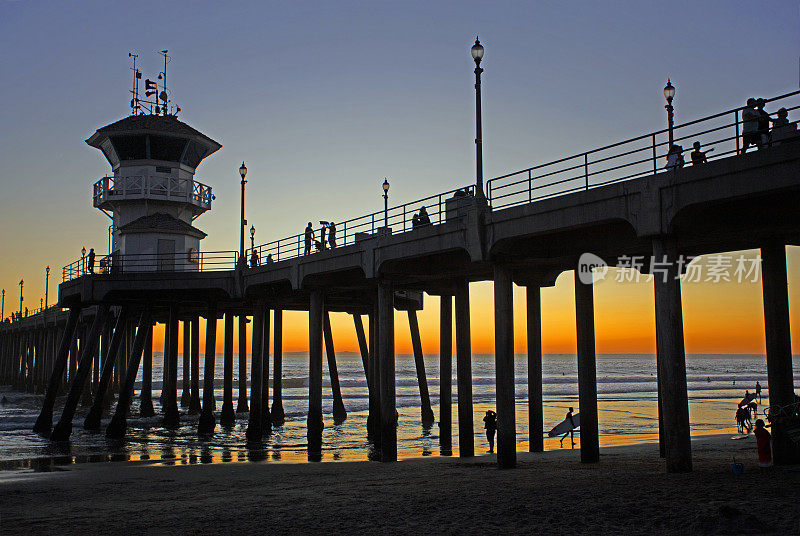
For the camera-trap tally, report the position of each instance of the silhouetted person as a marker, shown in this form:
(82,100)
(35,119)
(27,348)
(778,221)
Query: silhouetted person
(741,414)
(269,258)
(424,219)
(253,259)
(698,156)
(321,244)
(571,432)
(763,444)
(750,135)
(758,391)
(309,238)
(332,235)
(674,157)
(415,221)
(763,124)
(91,261)
(490,423)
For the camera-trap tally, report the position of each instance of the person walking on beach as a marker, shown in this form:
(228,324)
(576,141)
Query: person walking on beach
(490,423)
(763,444)
(571,432)
(91,261)
(758,391)
(309,238)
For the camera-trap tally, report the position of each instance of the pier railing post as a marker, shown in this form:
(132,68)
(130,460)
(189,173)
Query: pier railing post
(672,361)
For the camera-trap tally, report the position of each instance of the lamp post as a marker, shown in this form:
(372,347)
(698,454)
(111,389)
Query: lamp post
(243,222)
(83,261)
(3,306)
(669,94)
(385,203)
(252,241)
(477,55)
(21,283)
(46,284)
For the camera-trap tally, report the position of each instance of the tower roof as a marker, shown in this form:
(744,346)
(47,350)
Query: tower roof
(156,137)
(161,223)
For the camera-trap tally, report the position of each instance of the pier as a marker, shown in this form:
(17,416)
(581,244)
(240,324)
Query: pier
(524,228)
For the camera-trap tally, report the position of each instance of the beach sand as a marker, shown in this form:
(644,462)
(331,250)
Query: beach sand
(628,492)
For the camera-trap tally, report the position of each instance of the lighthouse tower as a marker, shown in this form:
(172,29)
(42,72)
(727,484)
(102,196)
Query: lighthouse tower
(152,196)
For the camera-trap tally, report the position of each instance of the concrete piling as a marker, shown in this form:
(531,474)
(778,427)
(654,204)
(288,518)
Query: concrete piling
(92,420)
(277,413)
(265,417)
(779,351)
(186,395)
(339,411)
(316,312)
(534,329)
(146,396)
(241,406)
(466,439)
(119,424)
(207,421)
(446,375)
(228,416)
(672,362)
(419,363)
(170,380)
(504,366)
(387,371)
(255,423)
(587,371)
(63,429)
(194,394)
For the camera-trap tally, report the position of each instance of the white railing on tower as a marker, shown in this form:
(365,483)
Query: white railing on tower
(151,186)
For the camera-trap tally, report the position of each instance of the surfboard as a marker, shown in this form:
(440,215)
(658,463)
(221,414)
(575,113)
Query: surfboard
(746,400)
(565,426)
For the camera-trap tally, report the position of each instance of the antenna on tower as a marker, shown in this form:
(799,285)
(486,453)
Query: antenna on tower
(137,75)
(163,96)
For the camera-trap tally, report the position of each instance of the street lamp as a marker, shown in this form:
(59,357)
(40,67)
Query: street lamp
(3,306)
(21,283)
(243,223)
(385,203)
(46,284)
(252,237)
(669,94)
(477,55)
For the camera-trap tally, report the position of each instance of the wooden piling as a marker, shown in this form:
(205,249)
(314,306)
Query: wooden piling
(119,422)
(146,396)
(387,371)
(255,423)
(242,406)
(92,420)
(186,395)
(267,421)
(194,398)
(170,380)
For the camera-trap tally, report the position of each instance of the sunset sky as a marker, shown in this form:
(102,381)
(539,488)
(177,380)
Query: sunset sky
(325,99)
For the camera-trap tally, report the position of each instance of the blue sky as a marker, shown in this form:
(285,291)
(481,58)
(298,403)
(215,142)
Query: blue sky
(324,99)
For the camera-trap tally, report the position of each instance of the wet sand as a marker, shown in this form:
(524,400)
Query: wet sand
(627,492)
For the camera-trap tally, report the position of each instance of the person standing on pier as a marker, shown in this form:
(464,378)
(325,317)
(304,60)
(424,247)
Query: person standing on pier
(309,238)
(750,134)
(332,235)
(490,423)
(91,261)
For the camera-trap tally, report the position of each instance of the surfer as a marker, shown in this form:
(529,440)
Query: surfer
(490,423)
(758,391)
(571,432)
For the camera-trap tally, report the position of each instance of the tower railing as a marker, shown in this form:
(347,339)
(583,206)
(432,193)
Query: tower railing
(109,189)
(115,263)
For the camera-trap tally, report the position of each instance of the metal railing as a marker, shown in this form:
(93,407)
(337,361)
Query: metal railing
(630,159)
(193,261)
(440,208)
(151,186)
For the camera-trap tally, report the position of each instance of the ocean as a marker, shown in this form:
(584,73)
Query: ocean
(627,401)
